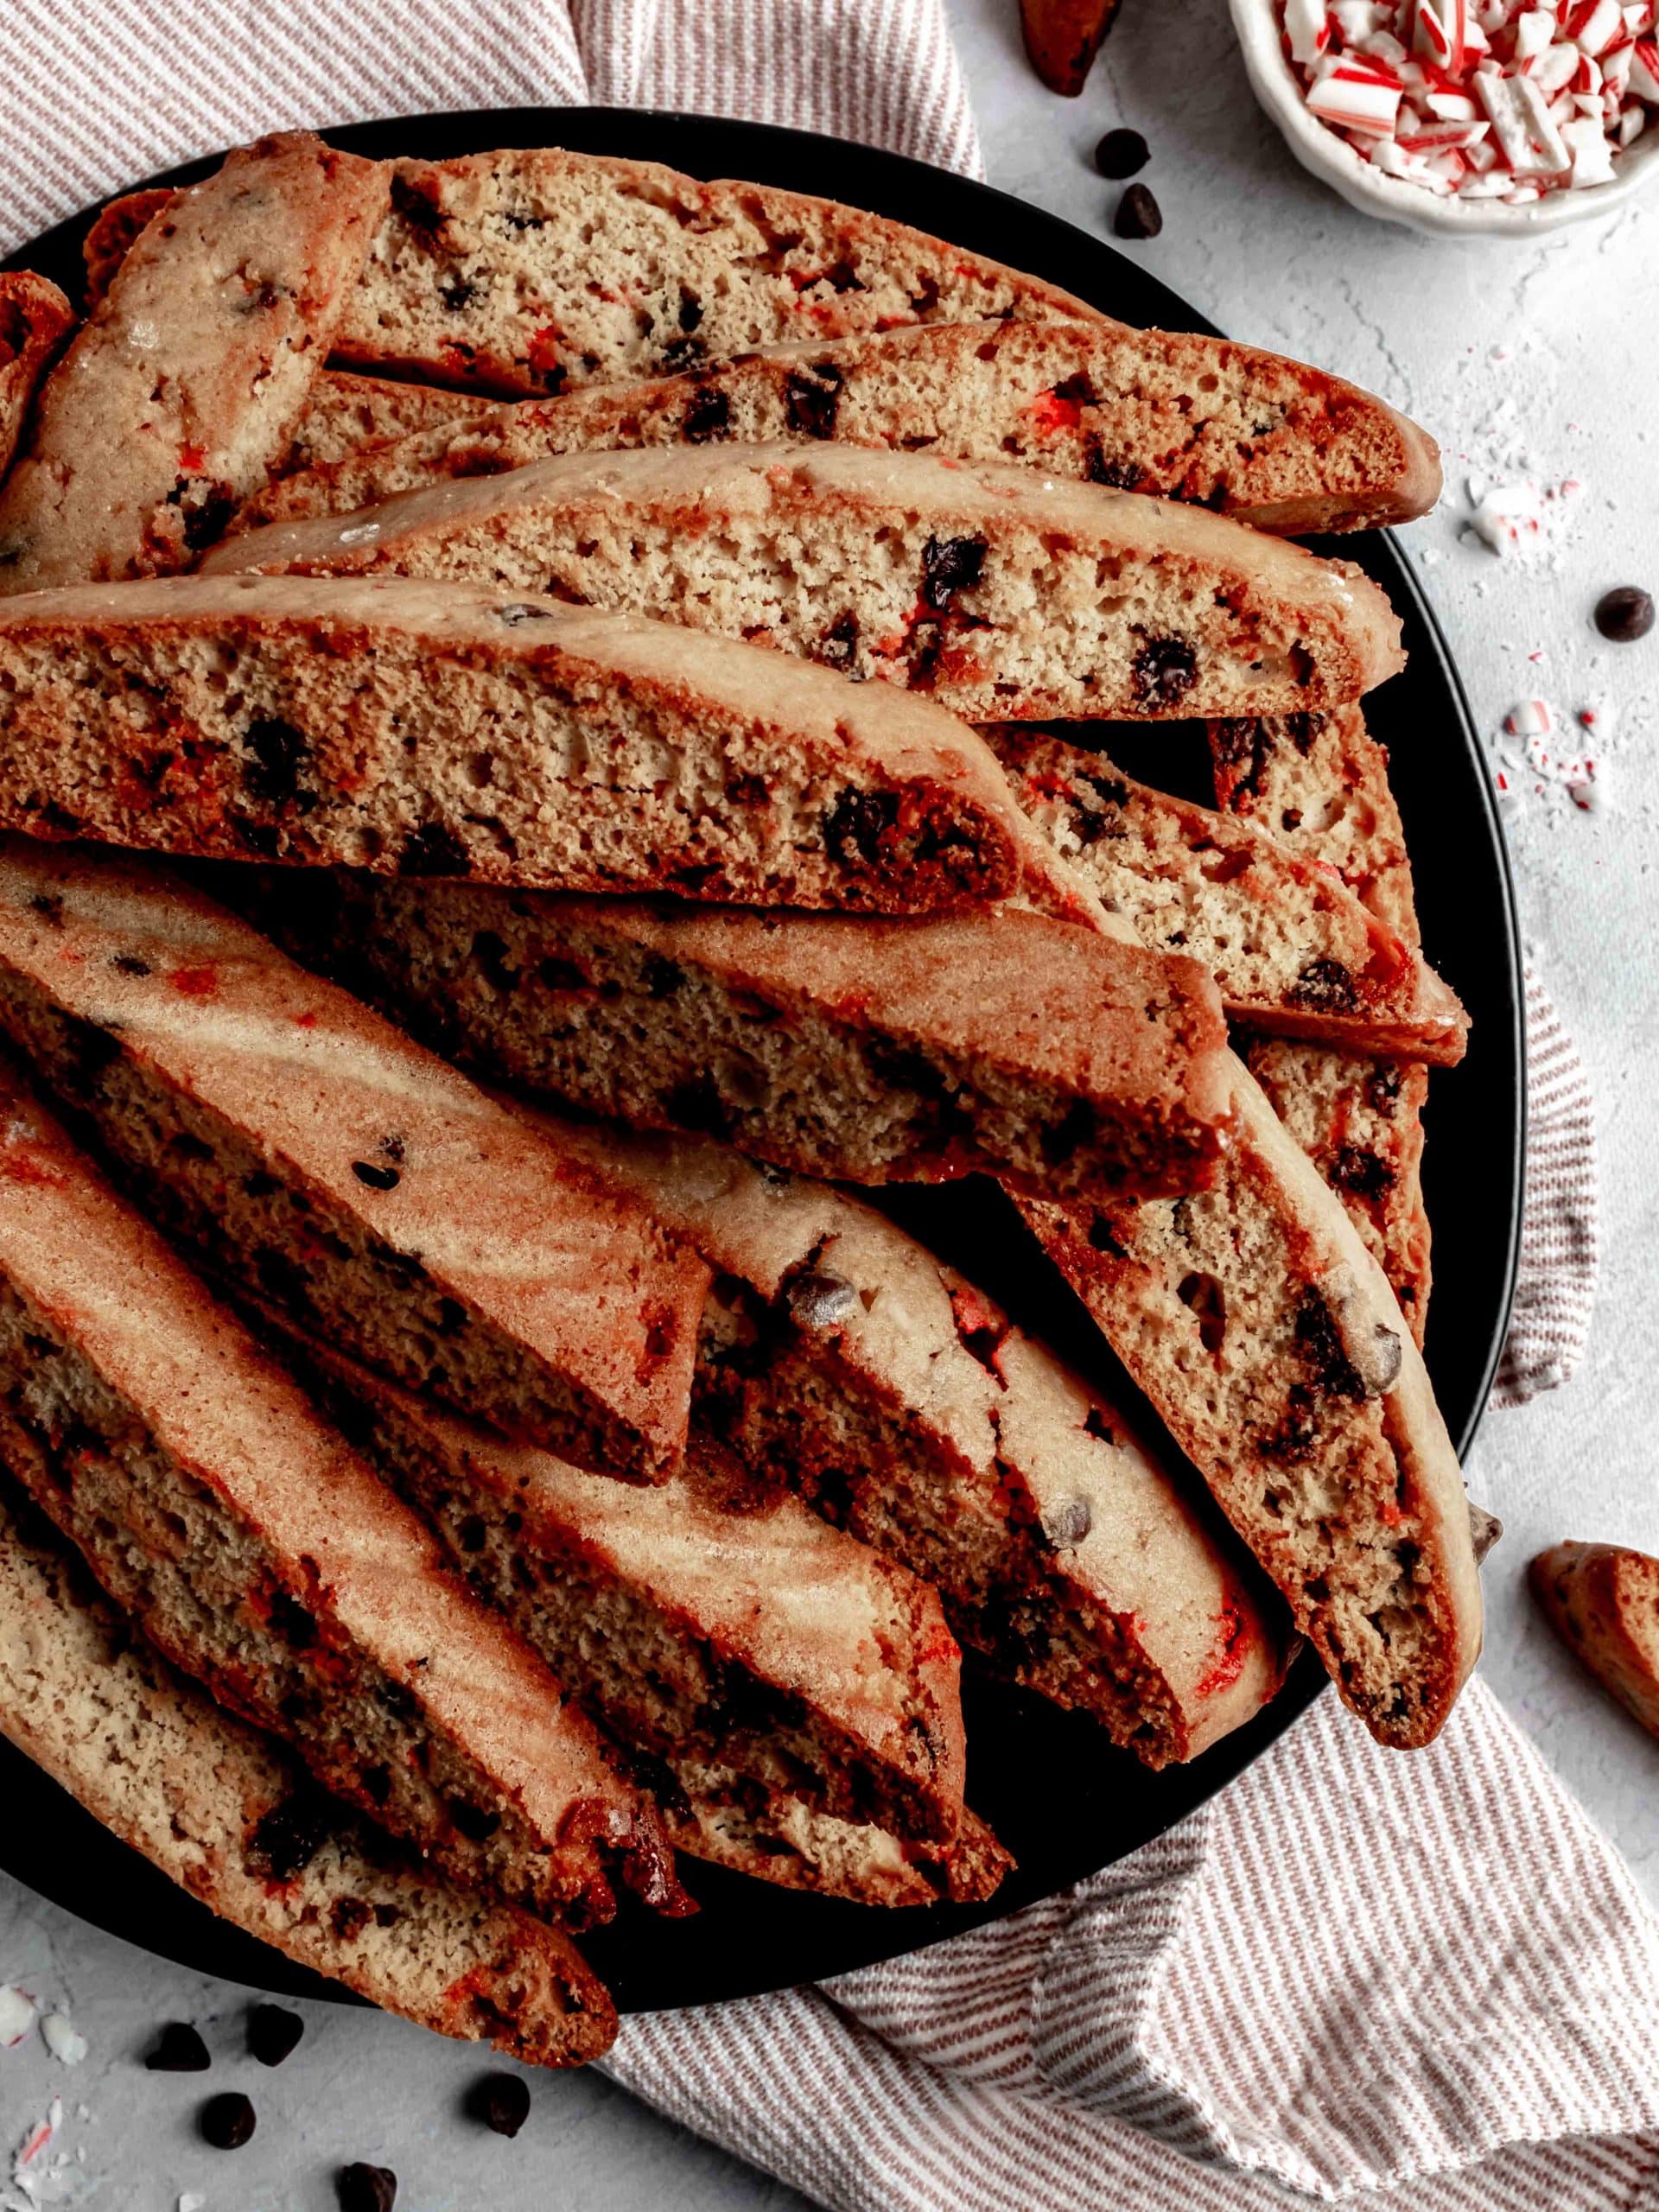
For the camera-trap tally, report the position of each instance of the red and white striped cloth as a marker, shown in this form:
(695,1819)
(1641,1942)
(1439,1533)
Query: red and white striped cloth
(1355,1973)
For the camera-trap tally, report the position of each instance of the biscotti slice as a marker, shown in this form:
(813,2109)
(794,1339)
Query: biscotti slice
(704,1621)
(532,270)
(261,1555)
(235,1822)
(840,1357)
(873,1051)
(1320,783)
(1291,948)
(1268,1342)
(360,1182)
(1008,594)
(176,398)
(375,722)
(1244,433)
(34,320)
(1603,1600)
(346,415)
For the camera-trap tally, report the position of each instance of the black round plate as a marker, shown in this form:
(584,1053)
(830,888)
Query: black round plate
(1063,1802)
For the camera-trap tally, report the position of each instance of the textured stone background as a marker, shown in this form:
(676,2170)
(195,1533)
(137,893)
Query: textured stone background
(1548,347)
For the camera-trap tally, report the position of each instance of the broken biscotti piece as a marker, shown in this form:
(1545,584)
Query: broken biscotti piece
(1062,37)
(1276,445)
(263,1556)
(706,1623)
(174,401)
(357,1181)
(1006,594)
(1603,1600)
(513,741)
(731,1820)
(870,1051)
(226,1814)
(841,1358)
(1319,783)
(34,320)
(532,270)
(1268,1340)
(1291,948)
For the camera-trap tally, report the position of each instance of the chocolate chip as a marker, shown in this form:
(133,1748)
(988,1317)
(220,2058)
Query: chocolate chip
(475,1822)
(179,2050)
(1122,152)
(696,1104)
(207,521)
(377,1178)
(519,611)
(949,565)
(1324,987)
(273,2034)
(690,309)
(1119,475)
(433,849)
(680,355)
(49,906)
(289,1838)
(350,1917)
(1163,671)
(708,416)
(1383,1089)
(838,647)
(822,1300)
(418,208)
(664,979)
(812,399)
(1096,1424)
(1625,614)
(1138,215)
(365,2189)
(854,826)
(501,2101)
(472,1534)
(226,2122)
(1318,1340)
(1366,1174)
(457,293)
(1078,390)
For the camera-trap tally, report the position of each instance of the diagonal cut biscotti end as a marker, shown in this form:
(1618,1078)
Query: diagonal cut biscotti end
(509,740)
(219,1808)
(1004,592)
(1221,426)
(1603,1601)
(1291,949)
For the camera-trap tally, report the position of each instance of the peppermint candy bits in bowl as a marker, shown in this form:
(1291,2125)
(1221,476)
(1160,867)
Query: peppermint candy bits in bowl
(1463,115)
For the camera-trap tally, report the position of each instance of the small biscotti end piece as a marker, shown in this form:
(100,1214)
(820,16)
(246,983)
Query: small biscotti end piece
(116,230)
(1062,37)
(34,320)
(1603,1601)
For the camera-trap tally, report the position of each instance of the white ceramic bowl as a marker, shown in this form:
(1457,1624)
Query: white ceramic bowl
(1331,158)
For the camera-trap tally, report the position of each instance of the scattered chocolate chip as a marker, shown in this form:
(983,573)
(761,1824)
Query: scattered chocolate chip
(501,2101)
(433,849)
(1122,152)
(1324,987)
(1163,671)
(365,2189)
(179,2050)
(1138,215)
(708,416)
(854,826)
(273,2034)
(821,1301)
(949,565)
(812,399)
(1625,614)
(227,2120)
(377,1178)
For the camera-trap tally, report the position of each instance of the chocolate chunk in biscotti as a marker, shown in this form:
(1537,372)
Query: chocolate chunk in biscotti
(1202,420)
(185,387)
(874,1051)
(503,738)
(318,1155)
(192,1786)
(1062,599)
(259,1554)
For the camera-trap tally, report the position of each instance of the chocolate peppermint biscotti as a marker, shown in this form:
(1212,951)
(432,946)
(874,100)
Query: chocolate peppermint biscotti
(1291,948)
(260,1554)
(841,1358)
(1008,594)
(230,1817)
(361,1183)
(186,383)
(1603,1601)
(1320,783)
(868,1050)
(35,319)
(1276,445)
(513,741)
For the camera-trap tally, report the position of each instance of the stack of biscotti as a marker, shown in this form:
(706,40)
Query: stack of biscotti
(235,1820)
(1319,783)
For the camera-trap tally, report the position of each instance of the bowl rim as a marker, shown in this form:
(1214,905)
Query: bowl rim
(1328,157)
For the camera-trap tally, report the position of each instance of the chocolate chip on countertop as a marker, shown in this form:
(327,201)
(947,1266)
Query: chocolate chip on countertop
(226,2122)
(1122,152)
(273,2034)
(365,2189)
(1138,215)
(501,2101)
(1625,614)
(179,2050)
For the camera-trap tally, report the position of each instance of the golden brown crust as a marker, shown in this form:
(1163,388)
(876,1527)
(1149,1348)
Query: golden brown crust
(1603,1601)
(116,230)
(35,319)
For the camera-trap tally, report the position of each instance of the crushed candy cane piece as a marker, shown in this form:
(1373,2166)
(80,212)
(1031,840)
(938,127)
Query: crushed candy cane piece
(1531,718)
(1357,102)
(1521,124)
(63,2039)
(16,2016)
(1308,28)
